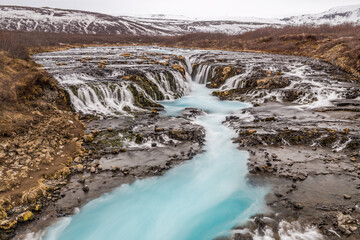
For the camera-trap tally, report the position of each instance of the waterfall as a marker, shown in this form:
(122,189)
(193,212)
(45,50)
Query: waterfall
(102,99)
(202,73)
(237,80)
(164,88)
(111,96)
(188,65)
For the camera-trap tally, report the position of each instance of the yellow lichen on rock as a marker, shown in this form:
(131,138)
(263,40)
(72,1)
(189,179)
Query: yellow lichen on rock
(26,216)
(248,132)
(178,68)
(331,130)
(263,83)
(37,207)
(3,214)
(102,64)
(8,224)
(131,77)
(126,55)
(226,71)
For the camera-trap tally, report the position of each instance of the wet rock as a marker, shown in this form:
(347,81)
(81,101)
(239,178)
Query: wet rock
(298,206)
(179,68)
(139,138)
(347,196)
(125,171)
(272,82)
(192,112)
(82,179)
(248,132)
(85,188)
(115,168)
(89,137)
(279,195)
(159,129)
(291,95)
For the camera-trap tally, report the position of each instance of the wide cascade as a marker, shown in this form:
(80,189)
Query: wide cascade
(200,199)
(203,198)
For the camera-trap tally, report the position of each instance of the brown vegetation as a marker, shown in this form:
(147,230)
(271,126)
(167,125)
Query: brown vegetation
(338,45)
(36,124)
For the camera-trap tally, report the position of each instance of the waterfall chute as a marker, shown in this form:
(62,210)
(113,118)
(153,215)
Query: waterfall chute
(102,99)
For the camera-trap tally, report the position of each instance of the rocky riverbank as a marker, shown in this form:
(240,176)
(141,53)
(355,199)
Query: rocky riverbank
(309,155)
(39,137)
(302,131)
(120,151)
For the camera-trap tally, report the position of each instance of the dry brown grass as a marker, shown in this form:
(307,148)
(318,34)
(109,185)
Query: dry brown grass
(339,45)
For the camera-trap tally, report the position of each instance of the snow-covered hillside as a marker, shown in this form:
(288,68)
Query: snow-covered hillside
(335,16)
(68,21)
(75,21)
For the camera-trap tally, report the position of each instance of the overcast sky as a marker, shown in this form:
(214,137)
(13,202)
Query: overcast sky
(192,8)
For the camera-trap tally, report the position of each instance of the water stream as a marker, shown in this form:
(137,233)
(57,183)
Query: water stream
(201,199)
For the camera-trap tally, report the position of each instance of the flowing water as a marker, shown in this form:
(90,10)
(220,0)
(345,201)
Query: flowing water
(201,199)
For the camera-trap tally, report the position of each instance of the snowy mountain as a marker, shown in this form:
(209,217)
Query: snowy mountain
(69,21)
(75,21)
(335,16)
(181,26)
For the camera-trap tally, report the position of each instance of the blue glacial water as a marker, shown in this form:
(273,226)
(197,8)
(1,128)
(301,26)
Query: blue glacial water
(198,200)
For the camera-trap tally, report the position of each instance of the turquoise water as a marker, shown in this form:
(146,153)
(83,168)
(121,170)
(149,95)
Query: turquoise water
(198,200)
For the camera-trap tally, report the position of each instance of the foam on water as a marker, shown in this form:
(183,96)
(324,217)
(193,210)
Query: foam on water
(285,231)
(200,199)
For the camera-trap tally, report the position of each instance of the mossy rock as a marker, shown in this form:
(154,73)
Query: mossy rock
(139,138)
(8,224)
(3,214)
(26,216)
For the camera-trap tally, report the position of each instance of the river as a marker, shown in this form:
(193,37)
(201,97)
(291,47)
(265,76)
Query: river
(206,197)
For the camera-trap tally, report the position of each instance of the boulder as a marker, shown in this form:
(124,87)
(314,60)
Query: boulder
(79,168)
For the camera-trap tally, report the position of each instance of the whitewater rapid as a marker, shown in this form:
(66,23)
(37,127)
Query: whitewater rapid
(201,199)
